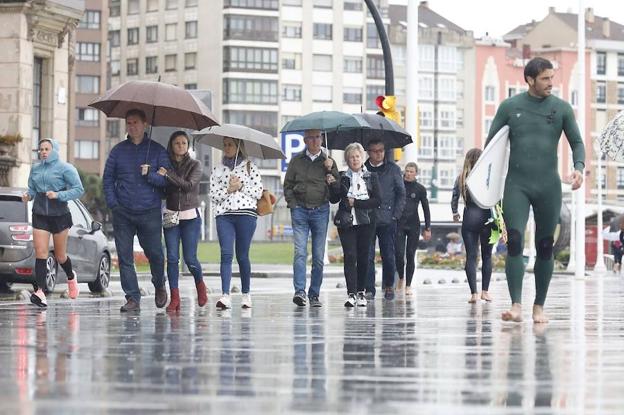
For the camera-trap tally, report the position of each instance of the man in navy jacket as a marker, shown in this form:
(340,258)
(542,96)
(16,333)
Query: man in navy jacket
(133,191)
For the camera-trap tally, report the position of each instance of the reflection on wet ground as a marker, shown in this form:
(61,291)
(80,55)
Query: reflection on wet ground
(433,353)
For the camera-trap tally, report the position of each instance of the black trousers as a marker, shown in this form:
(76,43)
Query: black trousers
(474,232)
(356,244)
(407,238)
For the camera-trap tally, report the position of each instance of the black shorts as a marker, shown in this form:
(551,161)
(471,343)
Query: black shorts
(52,224)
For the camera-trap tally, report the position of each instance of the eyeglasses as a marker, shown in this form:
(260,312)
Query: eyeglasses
(312,137)
(381,150)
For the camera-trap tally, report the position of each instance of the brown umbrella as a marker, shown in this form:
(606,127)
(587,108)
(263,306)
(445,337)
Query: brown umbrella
(164,104)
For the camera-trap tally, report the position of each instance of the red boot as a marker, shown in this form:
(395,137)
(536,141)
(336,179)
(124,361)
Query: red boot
(202,296)
(174,304)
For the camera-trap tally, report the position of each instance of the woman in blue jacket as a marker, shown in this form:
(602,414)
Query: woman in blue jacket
(51,184)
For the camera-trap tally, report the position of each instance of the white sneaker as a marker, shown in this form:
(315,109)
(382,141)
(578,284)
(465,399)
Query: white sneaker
(350,301)
(361,299)
(224,302)
(246,301)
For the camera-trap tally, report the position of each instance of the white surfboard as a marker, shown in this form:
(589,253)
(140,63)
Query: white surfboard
(486,181)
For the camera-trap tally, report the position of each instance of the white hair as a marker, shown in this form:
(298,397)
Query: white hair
(354,147)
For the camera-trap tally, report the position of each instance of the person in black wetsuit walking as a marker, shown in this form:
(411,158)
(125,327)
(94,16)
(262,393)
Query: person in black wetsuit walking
(408,228)
(475,229)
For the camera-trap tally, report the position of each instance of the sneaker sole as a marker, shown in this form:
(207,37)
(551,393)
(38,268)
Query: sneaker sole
(245,306)
(222,306)
(37,301)
(300,302)
(349,305)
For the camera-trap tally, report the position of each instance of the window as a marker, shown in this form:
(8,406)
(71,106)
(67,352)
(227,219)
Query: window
(322,31)
(511,92)
(446,89)
(36,102)
(459,147)
(459,118)
(114,9)
(326,4)
(425,87)
(190,60)
(447,58)
(292,2)
(426,146)
(601,92)
(291,30)
(171,63)
(288,118)
(151,64)
(88,117)
(352,64)
(620,94)
(190,86)
(133,6)
(620,64)
(375,67)
(171,4)
(252,4)
(114,38)
(171,31)
(490,94)
(190,30)
(487,125)
(372,92)
(112,128)
(90,20)
(248,91)
(372,37)
(601,63)
(426,57)
(322,63)
(132,66)
(352,5)
(619,178)
(151,34)
(87,84)
(265,121)
(86,150)
(115,67)
(446,147)
(190,3)
(352,96)
(246,59)
(89,52)
(133,36)
(352,34)
(426,117)
(243,27)
(291,60)
(152,5)
(291,93)
(574,98)
(447,177)
(321,93)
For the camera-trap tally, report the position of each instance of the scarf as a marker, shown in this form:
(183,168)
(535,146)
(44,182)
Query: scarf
(358,189)
(229,162)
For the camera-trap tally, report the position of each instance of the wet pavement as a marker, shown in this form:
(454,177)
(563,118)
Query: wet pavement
(433,353)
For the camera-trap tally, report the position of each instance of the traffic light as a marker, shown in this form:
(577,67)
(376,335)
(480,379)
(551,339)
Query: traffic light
(387,108)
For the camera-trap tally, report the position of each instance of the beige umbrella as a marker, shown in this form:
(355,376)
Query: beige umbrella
(163,104)
(257,144)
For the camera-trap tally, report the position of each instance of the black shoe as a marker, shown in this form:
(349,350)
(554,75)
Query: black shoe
(161,297)
(131,305)
(369,296)
(300,299)
(389,294)
(314,302)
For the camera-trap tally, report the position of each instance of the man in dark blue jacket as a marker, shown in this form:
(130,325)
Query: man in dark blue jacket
(388,213)
(133,191)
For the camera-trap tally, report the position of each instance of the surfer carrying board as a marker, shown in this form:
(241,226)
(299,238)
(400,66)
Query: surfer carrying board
(536,120)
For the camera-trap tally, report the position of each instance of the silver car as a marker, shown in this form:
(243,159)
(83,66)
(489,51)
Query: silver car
(87,246)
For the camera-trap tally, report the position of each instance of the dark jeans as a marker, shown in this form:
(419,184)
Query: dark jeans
(386,234)
(239,228)
(412,236)
(309,222)
(473,231)
(147,226)
(356,242)
(188,231)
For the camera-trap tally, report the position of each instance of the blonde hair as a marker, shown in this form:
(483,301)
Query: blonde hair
(353,147)
(471,158)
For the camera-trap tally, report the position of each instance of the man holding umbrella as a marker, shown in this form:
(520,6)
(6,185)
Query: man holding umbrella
(133,191)
(307,194)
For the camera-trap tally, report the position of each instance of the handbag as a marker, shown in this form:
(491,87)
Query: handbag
(172,218)
(343,219)
(266,203)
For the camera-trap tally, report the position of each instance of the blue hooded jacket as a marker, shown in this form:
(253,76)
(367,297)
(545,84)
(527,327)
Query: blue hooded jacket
(53,174)
(123,183)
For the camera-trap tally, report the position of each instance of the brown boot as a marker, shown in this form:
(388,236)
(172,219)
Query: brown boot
(202,295)
(174,304)
(161,297)
(130,305)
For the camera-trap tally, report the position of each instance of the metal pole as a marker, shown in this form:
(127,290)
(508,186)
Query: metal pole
(434,168)
(410,152)
(572,260)
(600,265)
(385,46)
(580,201)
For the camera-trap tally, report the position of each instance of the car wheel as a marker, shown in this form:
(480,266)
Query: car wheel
(103,275)
(51,274)
(5,287)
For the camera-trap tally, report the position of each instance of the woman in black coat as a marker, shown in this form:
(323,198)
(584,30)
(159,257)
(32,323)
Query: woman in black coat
(357,193)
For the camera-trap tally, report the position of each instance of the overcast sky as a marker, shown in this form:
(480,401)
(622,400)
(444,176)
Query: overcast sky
(501,16)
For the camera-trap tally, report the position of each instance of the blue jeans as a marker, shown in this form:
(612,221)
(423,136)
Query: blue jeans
(188,231)
(147,225)
(386,234)
(239,228)
(307,222)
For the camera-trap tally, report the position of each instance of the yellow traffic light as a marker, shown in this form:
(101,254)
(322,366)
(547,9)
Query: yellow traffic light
(387,107)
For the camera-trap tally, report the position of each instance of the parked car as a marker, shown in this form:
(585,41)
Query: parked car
(87,246)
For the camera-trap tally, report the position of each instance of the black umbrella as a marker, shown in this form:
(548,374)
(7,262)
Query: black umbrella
(374,127)
(614,224)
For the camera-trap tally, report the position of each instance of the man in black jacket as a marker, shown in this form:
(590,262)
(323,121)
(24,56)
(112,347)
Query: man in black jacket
(389,211)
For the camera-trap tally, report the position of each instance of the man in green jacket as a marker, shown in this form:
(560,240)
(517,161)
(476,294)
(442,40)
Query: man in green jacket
(307,194)
(536,120)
